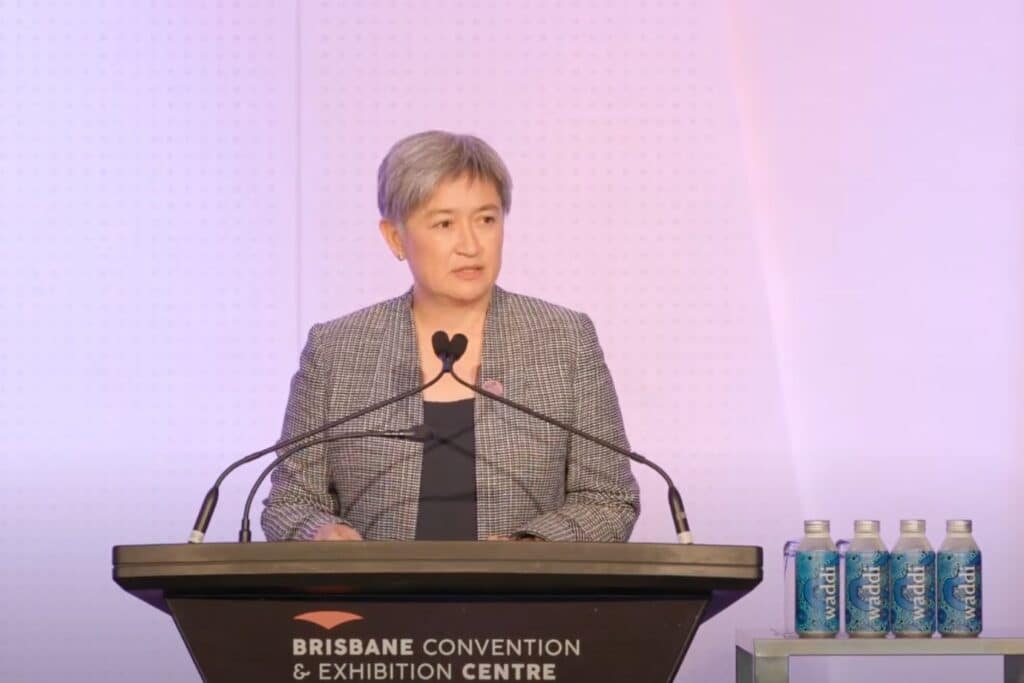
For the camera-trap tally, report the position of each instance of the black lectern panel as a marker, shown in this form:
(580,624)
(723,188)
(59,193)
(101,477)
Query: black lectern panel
(588,639)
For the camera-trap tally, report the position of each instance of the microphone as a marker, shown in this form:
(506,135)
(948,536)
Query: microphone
(675,501)
(419,433)
(441,347)
(457,346)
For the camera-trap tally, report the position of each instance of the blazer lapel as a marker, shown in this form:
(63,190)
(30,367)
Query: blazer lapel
(398,363)
(499,361)
(398,370)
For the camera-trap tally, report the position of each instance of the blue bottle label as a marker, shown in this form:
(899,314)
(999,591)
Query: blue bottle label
(959,581)
(867,592)
(913,591)
(817,592)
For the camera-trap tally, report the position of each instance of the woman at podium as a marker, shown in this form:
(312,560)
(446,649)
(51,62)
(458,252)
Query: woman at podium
(487,470)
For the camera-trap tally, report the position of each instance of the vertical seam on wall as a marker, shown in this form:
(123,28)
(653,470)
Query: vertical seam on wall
(298,171)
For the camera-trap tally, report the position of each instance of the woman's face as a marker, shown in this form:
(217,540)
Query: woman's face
(453,241)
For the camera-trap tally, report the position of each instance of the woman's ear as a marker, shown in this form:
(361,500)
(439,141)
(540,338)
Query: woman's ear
(393,237)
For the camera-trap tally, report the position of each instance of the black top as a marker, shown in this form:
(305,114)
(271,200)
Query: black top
(448,480)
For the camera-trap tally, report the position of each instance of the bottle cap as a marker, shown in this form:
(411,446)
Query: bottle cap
(912,526)
(816,526)
(867,526)
(958,526)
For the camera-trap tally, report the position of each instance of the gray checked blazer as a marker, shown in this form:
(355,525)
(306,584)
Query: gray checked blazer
(530,477)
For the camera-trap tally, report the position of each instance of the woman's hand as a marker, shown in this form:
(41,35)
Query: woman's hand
(337,532)
(506,537)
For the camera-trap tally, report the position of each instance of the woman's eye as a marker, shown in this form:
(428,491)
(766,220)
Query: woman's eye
(490,219)
(443,224)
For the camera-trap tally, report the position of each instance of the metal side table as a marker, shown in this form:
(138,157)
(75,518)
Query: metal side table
(763,656)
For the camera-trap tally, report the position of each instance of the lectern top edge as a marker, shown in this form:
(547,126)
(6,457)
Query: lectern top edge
(425,551)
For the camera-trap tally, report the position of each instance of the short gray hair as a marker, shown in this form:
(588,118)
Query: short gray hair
(415,165)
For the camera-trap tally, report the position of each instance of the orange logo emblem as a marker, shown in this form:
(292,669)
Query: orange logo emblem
(327,619)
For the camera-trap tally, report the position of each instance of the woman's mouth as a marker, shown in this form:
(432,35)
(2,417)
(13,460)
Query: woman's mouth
(471,273)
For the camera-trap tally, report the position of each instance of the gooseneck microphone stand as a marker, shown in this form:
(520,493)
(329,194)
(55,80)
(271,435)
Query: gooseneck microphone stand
(441,345)
(675,501)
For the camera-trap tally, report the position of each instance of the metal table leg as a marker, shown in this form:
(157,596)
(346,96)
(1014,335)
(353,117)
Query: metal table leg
(744,666)
(1013,668)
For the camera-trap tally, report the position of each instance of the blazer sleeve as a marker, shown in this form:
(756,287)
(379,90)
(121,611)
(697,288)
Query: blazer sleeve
(300,500)
(602,498)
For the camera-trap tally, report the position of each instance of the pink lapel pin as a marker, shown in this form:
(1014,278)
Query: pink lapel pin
(494,386)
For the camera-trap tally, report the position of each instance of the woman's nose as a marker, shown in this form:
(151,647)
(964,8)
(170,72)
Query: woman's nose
(468,243)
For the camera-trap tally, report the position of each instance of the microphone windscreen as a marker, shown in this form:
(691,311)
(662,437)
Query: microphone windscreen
(441,343)
(458,346)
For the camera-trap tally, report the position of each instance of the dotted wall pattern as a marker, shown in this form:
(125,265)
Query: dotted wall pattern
(148,293)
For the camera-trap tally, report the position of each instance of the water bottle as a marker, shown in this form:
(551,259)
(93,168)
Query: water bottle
(959,582)
(912,568)
(866,563)
(817,582)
